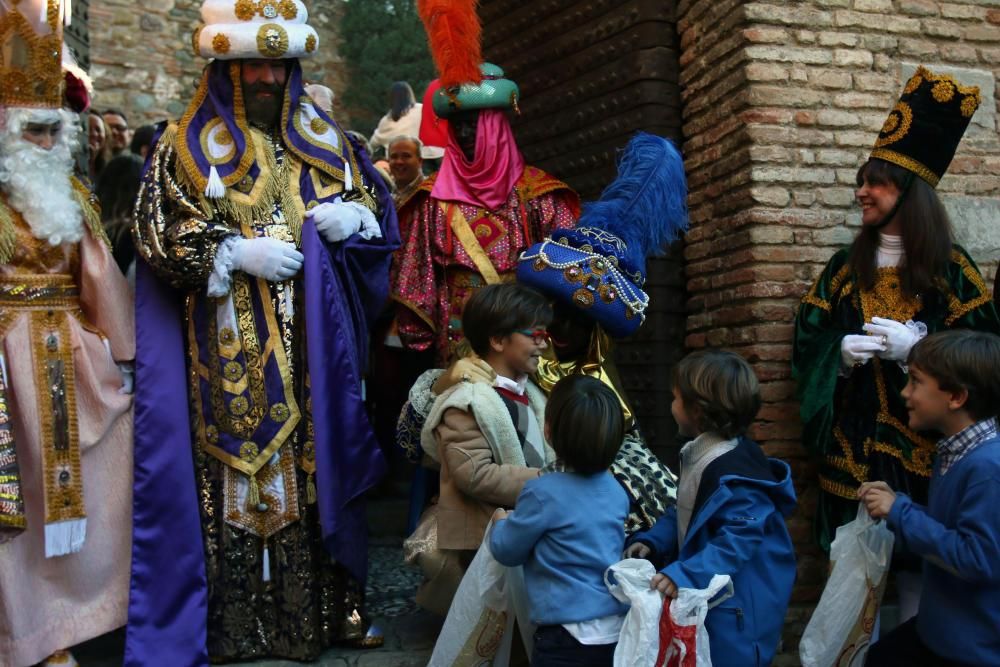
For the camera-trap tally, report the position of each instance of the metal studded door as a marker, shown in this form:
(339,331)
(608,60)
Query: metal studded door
(77,34)
(591,74)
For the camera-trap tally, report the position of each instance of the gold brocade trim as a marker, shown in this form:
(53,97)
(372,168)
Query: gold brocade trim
(456,219)
(838,489)
(813,299)
(858,471)
(91,210)
(818,302)
(273,184)
(896,126)
(52,352)
(968,92)
(920,463)
(241,425)
(886,298)
(347,153)
(416,310)
(190,167)
(30,63)
(256,519)
(956,308)
(906,162)
(8,233)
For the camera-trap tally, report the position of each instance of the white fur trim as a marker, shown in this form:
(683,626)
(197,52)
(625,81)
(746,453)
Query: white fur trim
(490,413)
(64,537)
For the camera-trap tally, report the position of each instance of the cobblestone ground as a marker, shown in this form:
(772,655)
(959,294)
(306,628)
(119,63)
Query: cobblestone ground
(409,632)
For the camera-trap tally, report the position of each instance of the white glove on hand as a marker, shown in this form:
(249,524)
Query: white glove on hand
(897,337)
(338,220)
(128,378)
(267,258)
(858,349)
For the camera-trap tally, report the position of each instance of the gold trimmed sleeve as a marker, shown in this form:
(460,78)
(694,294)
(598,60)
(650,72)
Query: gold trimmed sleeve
(175,231)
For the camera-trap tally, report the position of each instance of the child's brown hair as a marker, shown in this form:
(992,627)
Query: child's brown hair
(586,423)
(719,391)
(963,359)
(499,310)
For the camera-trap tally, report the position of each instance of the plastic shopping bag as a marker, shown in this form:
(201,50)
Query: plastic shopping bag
(840,630)
(480,623)
(683,637)
(628,580)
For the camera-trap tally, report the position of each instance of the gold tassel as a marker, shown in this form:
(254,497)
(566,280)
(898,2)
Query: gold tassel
(311,489)
(253,495)
(8,235)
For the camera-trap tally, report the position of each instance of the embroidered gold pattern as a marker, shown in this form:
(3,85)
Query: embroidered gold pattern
(30,64)
(310,43)
(943,91)
(906,162)
(896,126)
(220,44)
(272,40)
(318,125)
(52,350)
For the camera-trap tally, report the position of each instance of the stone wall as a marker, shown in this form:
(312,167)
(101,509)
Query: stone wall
(142,61)
(781,105)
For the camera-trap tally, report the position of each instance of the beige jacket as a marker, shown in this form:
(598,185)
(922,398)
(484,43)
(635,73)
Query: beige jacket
(470,434)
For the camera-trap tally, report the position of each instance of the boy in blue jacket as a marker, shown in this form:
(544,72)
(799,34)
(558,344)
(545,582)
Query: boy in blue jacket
(730,515)
(953,389)
(567,529)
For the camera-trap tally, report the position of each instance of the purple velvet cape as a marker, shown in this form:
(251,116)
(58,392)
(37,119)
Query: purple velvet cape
(345,285)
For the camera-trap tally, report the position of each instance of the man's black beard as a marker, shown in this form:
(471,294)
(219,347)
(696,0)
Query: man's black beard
(263,113)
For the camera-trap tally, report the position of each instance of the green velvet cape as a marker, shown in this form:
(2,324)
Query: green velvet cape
(855,421)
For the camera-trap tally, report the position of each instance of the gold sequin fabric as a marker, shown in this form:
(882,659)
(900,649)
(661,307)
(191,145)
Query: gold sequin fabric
(310,602)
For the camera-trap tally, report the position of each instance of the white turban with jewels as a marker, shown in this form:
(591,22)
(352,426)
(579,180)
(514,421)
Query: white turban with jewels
(236,29)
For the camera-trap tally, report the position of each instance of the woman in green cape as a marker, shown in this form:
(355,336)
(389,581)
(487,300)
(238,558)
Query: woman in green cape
(902,278)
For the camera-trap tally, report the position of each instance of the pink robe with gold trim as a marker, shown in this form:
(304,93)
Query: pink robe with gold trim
(48,604)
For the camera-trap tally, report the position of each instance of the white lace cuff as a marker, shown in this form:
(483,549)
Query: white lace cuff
(369,225)
(220,278)
(421,396)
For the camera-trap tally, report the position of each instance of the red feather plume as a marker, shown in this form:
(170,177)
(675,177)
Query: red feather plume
(453,31)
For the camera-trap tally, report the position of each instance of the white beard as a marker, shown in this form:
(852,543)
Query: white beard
(37,184)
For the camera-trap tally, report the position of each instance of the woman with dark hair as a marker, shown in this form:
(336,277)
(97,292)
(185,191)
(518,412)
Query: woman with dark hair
(117,189)
(403,117)
(902,278)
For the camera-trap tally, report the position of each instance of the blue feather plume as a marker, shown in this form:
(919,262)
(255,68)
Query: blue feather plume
(646,205)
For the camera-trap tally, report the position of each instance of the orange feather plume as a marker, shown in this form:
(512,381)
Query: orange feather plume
(454,32)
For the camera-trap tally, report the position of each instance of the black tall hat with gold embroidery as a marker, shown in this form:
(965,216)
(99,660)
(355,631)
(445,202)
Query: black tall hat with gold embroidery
(925,127)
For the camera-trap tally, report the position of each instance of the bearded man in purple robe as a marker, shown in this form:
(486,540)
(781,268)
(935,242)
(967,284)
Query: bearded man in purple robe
(266,237)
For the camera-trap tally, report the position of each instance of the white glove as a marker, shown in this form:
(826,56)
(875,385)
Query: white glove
(338,220)
(897,337)
(858,349)
(128,378)
(267,258)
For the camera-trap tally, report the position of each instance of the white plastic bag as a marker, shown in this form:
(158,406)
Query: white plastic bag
(628,580)
(684,638)
(840,630)
(480,623)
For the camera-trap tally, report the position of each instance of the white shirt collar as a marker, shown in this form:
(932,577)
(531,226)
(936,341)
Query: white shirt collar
(514,386)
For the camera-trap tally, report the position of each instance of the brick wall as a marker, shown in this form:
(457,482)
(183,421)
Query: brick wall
(781,104)
(142,62)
